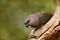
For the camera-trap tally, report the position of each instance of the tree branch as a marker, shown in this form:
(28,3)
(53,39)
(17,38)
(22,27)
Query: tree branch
(50,29)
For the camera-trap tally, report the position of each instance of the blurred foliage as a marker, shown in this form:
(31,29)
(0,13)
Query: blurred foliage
(13,12)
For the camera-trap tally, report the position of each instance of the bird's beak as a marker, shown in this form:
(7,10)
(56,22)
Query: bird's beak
(26,24)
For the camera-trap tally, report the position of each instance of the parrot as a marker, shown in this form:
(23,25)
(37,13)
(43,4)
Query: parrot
(37,20)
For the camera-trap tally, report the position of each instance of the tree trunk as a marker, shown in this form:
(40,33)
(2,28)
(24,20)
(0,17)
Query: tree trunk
(51,30)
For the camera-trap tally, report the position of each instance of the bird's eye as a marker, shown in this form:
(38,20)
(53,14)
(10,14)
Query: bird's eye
(28,21)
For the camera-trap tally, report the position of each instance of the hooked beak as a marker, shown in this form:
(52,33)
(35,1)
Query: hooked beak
(26,24)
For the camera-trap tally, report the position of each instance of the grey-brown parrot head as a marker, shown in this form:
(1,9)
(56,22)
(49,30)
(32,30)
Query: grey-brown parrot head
(32,20)
(37,19)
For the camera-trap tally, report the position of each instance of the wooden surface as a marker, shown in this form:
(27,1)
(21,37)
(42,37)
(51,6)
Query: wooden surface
(51,30)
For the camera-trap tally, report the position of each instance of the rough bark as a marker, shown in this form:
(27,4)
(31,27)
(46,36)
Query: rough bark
(51,30)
